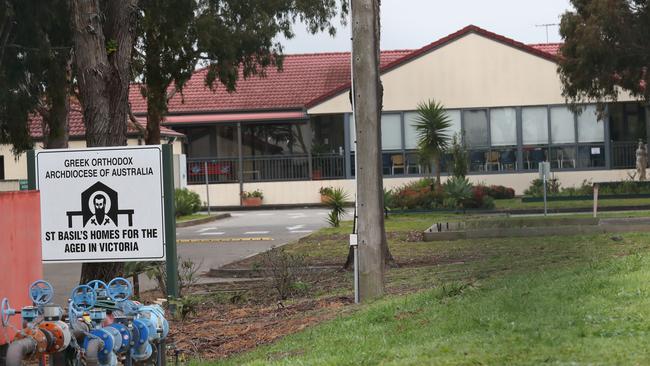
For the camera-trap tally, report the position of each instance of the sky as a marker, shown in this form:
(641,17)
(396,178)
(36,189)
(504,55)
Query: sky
(408,24)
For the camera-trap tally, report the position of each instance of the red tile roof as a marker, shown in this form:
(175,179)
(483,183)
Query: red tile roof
(78,130)
(550,48)
(303,78)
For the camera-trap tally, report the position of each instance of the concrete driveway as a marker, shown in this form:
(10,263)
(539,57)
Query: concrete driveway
(216,244)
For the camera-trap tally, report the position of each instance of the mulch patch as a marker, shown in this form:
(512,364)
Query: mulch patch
(222,330)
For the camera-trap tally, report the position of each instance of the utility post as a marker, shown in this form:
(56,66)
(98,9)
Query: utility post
(367,97)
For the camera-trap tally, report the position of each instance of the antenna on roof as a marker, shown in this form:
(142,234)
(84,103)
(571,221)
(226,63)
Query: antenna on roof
(547,26)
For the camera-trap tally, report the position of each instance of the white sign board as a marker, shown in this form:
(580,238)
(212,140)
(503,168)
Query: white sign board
(101,204)
(545,170)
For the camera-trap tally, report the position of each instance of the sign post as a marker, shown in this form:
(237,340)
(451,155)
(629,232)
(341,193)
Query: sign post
(107,204)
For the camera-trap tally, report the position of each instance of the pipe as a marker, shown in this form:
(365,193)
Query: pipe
(92,352)
(20,349)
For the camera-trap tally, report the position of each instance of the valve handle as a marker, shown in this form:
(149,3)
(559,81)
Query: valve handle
(6,311)
(83,298)
(41,292)
(98,286)
(119,289)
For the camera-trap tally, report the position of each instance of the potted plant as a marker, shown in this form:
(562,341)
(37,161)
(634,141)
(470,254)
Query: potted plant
(325,194)
(253,198)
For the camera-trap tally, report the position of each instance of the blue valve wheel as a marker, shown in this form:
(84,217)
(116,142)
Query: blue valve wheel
(100,287)
(119,289)
(41,292)
(83,298)
(6,311)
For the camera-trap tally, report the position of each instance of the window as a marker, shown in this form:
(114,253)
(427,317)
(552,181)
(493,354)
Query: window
(411,133)
(476,129)
(2,167)
(503,126)
(591,156)
(534,125)
(563,130)
(589,128)
(563,157)
(391,132)
(201,142)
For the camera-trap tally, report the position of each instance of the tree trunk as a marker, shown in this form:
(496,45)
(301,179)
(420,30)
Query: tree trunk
(367,97)
(436,162)
(103,74)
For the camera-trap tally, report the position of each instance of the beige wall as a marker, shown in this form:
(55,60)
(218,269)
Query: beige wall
(306,192)
(16,168)
(472,71)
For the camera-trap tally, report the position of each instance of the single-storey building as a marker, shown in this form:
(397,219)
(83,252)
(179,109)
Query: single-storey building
(14,169)
(292,132)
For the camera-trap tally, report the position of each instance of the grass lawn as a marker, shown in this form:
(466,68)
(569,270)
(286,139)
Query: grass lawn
(592,313)
(191,217)
(580,299)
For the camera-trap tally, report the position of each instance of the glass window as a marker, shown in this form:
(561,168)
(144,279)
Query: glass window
(411,133)
(591,156)
(393,163)
(533,156)
(201,142)
(476,131)
(227,141)
(589,128)
(477,160)
(563,129)
(503,126)
(563,157)
(507,158)
(534,125)
(353,133)
(391,132)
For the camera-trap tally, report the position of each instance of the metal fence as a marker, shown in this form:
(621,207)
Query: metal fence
(624,155)
(265,169)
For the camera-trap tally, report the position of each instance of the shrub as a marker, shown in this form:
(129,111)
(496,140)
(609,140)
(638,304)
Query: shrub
(325,191)
(536,188)
(336,202)
(480,198)
(286,271)
(460,190)
(417,195)
(186,201)
(188,275)
(500,192)
(251,194)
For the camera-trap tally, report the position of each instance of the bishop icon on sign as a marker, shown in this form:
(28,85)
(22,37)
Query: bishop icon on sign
(99,207)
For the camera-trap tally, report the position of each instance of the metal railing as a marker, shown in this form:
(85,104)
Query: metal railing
(265,169)
(330,166)
(624,155)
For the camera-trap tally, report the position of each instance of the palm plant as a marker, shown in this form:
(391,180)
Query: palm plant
(336,200)
(431,125)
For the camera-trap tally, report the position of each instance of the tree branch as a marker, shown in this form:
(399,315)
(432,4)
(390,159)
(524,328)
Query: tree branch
(136,124)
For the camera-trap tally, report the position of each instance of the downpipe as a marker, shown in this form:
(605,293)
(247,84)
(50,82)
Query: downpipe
(19,350)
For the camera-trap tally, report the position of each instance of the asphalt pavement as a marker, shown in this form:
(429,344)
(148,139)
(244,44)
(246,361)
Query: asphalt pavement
(217,243)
